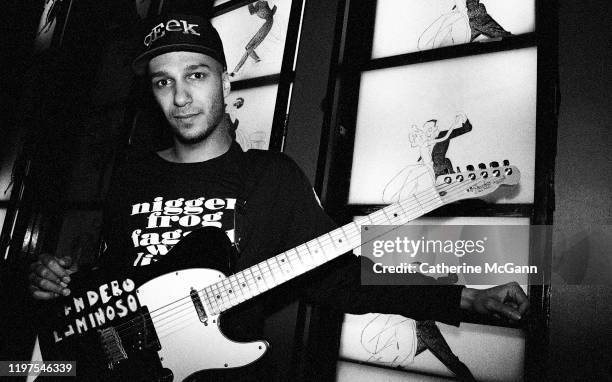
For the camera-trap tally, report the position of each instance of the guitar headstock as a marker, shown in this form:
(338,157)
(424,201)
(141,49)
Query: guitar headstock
(476,182)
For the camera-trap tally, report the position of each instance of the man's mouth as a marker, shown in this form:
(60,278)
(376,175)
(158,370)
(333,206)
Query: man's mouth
(185,116)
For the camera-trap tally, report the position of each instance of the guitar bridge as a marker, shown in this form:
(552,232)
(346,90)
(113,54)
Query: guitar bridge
(112,346)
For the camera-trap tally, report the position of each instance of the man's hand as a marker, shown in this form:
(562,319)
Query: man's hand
(506,300)
(49,276)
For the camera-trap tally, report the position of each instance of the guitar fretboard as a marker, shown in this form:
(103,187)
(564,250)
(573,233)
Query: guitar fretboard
(279,269)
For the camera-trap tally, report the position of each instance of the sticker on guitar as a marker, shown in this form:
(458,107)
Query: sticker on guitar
(97,308)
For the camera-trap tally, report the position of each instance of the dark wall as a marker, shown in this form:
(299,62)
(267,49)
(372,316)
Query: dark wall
(581,315)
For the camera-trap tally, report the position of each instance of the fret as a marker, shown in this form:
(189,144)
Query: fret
(378,218)
(363,220)
(210,299)
(317,254)
(405,212)
(278,271)
(204,298)
(388,216)
(285,267)
(244,285)
(273,269)
(306,256)
(296,261)
(229,293)
(419,203)
(236,289)
(219,297)
(354,234)
(250,278)
(435,198)
(266,275)
(346,239)
(326,244)
(339,241)
(261,283)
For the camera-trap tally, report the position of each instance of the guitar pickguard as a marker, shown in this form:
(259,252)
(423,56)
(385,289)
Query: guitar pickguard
(188,343)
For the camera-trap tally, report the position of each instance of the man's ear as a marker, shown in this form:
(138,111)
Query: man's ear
(227,86)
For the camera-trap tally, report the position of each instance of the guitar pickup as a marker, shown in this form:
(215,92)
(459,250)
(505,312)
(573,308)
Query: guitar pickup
(199,307)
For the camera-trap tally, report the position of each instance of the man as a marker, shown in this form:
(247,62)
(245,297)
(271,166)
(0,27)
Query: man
(260,199)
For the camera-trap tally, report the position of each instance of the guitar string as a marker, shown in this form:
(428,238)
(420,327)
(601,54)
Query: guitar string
(382,217)
(222,306)
(395,208)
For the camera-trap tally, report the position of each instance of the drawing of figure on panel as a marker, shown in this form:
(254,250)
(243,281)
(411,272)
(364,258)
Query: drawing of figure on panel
(451,28)
(394,341)
(482,23)
(262,10)
(442,164)
(467,20)
(389,340)
(422,174)
(253,140)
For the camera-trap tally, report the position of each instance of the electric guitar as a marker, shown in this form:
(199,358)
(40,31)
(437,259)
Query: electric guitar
(154,324)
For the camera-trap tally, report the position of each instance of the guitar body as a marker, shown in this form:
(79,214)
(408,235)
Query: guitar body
(148,323)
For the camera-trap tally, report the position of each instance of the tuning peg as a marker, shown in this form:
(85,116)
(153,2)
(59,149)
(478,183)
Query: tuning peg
(506,162)
(482,166)
(508,171)
(496,173)
(494,164)
(469,167)
(447,179)
(484,174)
(460,178)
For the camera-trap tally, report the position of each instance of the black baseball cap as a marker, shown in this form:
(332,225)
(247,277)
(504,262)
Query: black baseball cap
(177,32)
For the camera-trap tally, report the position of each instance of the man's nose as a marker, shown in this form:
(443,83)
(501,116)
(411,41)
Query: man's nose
(182,96)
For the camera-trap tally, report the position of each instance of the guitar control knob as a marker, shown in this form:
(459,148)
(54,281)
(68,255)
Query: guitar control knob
(482,166)
(447,180)
(496,173)
(494,164)
(506,162)
(470,167)
(484,174)
(460,178)
(508,171)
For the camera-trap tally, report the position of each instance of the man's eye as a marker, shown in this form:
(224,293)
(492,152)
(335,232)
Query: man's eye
(161,83)
(198,75)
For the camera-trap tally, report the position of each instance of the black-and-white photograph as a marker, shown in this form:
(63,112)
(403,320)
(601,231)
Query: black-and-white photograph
(303,190)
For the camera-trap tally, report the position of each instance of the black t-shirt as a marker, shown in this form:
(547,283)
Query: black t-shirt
(154,203)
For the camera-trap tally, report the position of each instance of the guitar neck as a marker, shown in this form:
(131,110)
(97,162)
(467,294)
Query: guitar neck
(279,269)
